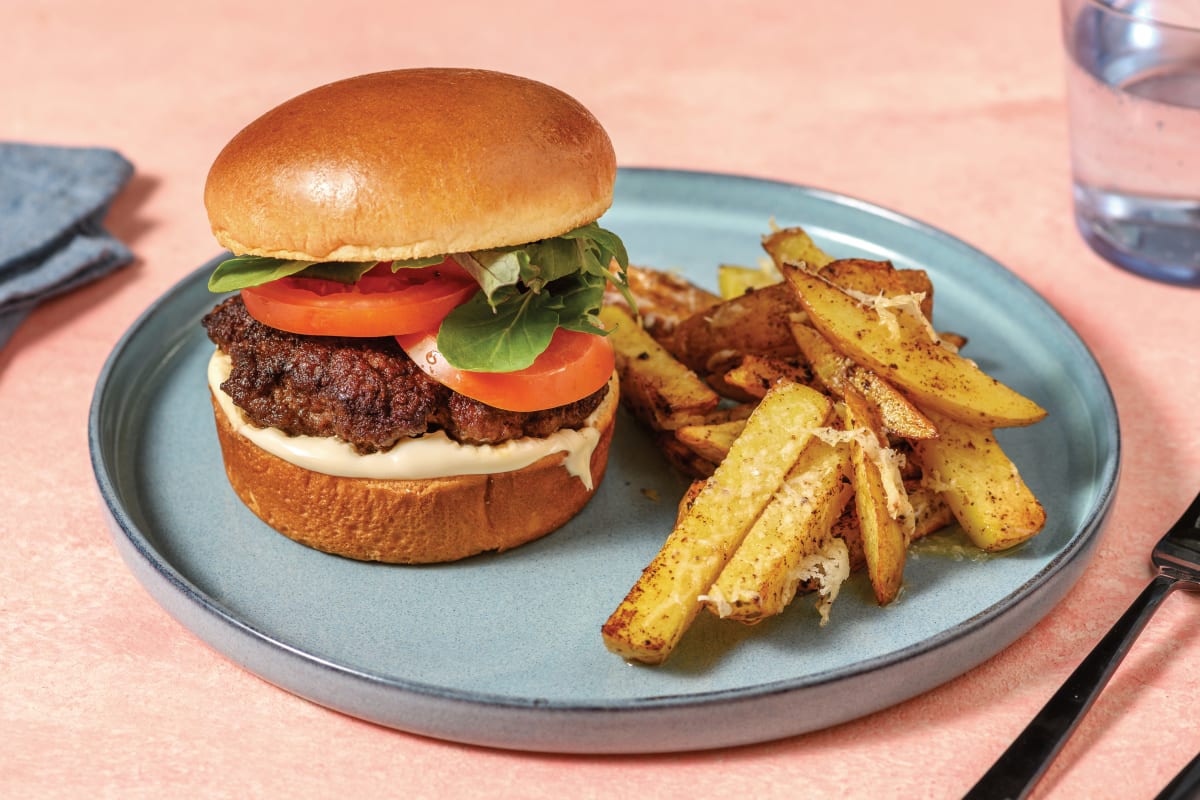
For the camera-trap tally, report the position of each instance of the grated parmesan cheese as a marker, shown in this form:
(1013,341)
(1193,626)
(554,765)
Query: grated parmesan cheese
(828,568)
(888,461)
(888,307)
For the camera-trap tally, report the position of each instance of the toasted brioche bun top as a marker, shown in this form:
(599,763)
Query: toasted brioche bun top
(410,163)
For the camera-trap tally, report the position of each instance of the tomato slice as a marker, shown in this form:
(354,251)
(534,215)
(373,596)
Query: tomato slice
(571,368)
(381,303)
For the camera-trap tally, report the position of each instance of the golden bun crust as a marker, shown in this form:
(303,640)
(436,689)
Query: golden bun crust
(410,521)
(410,163)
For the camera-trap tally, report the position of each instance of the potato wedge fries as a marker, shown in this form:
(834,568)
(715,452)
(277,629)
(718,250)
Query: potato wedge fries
(930,515)
(865,277)
(904,351)
(649,622)
(664,298)
(653,383)
(711,441)
(794,245)
(839,374)
(828,425)
(980,484)
(756,322)
(769,566)
(754,375)
(734,280)
(885,522)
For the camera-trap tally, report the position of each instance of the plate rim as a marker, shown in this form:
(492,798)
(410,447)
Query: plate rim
(142,556)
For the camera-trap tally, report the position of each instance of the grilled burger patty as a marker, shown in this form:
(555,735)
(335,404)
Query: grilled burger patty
(365,391)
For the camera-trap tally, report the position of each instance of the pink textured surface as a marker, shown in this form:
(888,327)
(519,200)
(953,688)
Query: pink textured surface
(948,111)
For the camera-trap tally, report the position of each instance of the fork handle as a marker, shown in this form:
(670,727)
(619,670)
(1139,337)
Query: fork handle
(1026,759)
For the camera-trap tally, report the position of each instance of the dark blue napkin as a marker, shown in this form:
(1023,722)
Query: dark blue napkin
(53,201)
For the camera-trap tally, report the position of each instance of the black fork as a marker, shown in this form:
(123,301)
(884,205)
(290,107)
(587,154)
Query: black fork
(1176,559)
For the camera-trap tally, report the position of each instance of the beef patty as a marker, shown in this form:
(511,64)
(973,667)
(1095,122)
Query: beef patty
(365,391)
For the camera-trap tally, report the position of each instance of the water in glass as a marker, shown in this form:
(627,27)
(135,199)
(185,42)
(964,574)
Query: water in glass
(1134,100)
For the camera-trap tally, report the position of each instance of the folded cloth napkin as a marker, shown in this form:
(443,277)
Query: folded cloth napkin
(53,201)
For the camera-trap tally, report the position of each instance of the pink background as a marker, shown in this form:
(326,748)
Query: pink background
(952,112)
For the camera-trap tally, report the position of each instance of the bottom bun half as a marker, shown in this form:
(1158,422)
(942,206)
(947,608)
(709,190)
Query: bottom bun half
(411,521)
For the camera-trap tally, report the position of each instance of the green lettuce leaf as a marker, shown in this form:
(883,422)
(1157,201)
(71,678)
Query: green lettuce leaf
(241,272)
(559,283)
(494,269)
(526,293)
(477,337)
(509,332)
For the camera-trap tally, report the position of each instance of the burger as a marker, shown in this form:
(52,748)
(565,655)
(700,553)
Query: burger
(409,366)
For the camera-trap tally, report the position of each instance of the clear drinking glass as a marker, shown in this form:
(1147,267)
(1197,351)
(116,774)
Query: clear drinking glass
(1133,87)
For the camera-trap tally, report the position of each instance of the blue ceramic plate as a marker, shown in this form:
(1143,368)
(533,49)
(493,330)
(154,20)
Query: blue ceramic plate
(505,650)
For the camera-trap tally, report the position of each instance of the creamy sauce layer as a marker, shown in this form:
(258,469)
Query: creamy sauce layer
(434,455)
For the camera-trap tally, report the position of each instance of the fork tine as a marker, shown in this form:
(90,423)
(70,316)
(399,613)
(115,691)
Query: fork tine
(1176,557)
(1189,518)
(1184,785)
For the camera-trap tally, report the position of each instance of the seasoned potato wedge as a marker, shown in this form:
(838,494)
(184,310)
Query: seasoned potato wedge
(981,485)
(930,514)
(735,281)
(794,245)
(689,496)
(880,278)
(768,567)
(649,622)
(896,411)
(756,322)
(739,411)
(713,441)
(756,374)
(664,299)
(954,341)
(836,372)
(654,386)
(716,381)
(899,348)
(885,522)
